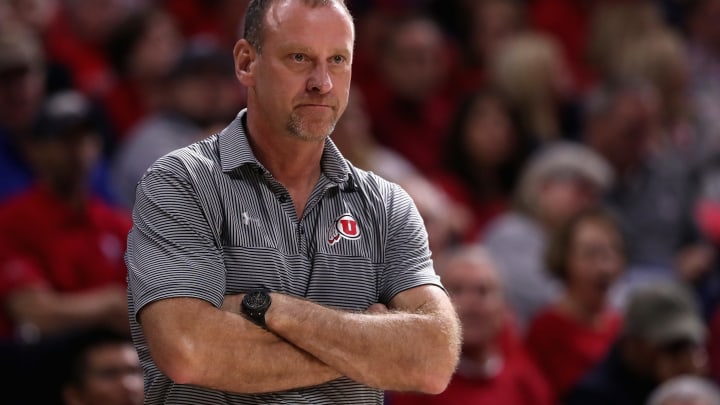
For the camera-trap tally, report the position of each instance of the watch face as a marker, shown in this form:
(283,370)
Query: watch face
(257,299)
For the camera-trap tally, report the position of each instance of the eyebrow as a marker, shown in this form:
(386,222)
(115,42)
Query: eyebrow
(305,49)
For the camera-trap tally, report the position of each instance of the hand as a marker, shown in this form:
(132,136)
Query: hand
(694,261)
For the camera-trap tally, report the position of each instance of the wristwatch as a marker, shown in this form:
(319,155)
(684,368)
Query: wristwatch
(254,305)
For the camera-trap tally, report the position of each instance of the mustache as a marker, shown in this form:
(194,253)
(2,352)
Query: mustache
(332,102)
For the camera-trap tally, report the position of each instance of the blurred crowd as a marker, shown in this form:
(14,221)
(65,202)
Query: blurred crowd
(564,154)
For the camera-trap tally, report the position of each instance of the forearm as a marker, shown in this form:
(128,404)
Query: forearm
(223,351)
(405,351)
(51,312)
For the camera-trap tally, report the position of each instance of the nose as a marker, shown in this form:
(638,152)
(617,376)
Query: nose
(319,80)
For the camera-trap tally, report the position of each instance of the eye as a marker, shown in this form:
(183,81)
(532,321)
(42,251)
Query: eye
(338,59)
(298,57)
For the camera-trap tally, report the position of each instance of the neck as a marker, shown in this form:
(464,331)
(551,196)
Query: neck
(293,162)
(72,195)
(587,313)
(480,362)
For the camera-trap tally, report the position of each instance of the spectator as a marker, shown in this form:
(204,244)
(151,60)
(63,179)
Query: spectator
(574,333)
(494,367)
(613,27)
(686,390)
(558,182)
(61,250)
(36,14)
(142,50)
(529,70)
(23,76)
(484,154)
(661,58)
(196,104)
(408,105)
(662,337)
(654,193)
(103,369)
(76,39)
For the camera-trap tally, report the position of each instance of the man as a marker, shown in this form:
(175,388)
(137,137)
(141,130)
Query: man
(663,337)
(494,367)
(269,204)
(61,250)
(103,369)
(26,79)
(655,188)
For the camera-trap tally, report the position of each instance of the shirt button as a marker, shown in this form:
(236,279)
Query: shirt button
(283,198)
(302,230)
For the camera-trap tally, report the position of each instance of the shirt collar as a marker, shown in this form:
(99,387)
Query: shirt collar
(235,152)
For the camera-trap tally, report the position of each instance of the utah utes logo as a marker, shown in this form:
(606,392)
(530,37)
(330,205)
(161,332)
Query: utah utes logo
(344,227)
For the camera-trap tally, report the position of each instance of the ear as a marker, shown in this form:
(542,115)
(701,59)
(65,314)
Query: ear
(244,55)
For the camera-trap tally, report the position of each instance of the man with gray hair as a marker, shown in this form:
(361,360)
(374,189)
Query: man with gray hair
(263,267)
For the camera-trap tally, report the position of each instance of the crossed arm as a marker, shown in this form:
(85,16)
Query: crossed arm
(412,347)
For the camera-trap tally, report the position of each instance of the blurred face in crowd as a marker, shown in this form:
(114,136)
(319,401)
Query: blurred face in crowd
(158,50)
(414,63)
(494,22)
(94,20)
(112,377)
(564,195)
(624,135)
(594,262)
(490,137)
(475,290)
(65,162)
(298,82)
(36,13)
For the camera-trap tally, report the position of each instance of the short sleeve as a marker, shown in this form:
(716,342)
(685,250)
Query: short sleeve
(171,250)
(408,262)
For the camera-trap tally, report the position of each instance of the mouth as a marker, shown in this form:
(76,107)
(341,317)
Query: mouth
(316,106)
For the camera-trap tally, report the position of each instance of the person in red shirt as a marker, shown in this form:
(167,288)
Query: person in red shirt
(61,251)
(494,367)
(572,335)
(408,101)
(75,39)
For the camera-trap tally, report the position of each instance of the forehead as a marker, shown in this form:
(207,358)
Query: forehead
(292,20)
(112,353)
(469,271)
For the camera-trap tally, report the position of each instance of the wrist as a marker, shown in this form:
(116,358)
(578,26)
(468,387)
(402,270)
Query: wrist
(255,304)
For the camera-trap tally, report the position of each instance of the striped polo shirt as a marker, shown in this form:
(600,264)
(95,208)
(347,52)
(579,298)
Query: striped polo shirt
(210,220)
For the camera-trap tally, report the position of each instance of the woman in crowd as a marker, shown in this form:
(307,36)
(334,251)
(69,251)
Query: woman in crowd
(571,335)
